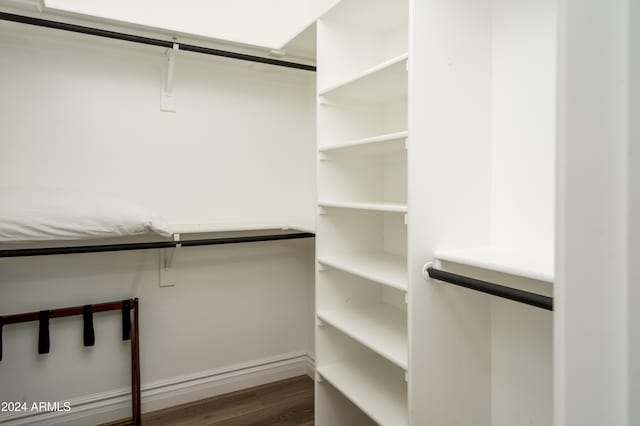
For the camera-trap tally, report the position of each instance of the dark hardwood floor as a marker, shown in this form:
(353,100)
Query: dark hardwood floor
(287,402)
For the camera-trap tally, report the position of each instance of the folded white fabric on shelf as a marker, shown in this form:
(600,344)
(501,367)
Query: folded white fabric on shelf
(53,214)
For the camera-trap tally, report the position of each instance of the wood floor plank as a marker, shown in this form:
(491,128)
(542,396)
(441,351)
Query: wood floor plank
(284,403)
(286,414)
(207,413)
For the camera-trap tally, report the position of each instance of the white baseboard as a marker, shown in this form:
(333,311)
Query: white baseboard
(114,405)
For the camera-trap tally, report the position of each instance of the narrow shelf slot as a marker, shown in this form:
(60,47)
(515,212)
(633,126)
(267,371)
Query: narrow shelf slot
(383,143)
(383,81)
(380,207)
(373,385)
(528,265)
(380,327)
(383,268)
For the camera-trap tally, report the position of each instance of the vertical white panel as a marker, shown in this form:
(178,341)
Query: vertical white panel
(634,212)
(591,351)
(448,181)
(522,368)
(523,124)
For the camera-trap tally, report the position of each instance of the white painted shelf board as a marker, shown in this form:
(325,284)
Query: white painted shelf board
(383,268)
(380,327)
(383,81)
(378,207)
(210,228)
(374,386)
(534,266)
(373,141)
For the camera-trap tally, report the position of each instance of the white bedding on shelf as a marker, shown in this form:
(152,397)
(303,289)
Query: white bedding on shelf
(46,214)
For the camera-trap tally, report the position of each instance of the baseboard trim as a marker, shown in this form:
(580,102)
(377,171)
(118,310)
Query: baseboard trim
(113,405)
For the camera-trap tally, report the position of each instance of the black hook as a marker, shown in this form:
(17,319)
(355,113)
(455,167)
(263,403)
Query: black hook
(89,337)
(43,333)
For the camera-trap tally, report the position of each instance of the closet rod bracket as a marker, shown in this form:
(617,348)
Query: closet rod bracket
(167,100)
(166,260)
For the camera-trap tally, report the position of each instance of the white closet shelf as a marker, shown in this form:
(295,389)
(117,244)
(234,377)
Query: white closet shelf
(381,82)
(389,142)
(373,385)
(537,266)
(210,228)
(383,268)
(378,207)
(380,327)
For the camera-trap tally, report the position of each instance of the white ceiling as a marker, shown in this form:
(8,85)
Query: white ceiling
(266,23)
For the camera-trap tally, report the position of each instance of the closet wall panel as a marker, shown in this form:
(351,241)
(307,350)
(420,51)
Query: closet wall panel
(593,214)
(449,181)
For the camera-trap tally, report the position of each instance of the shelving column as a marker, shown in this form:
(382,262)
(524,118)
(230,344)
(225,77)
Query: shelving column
(362,342)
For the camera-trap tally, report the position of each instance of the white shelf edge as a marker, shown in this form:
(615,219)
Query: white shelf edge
(363,274)
(326,372)
(379,207)
(327,316)
(214,228)
(474,257)
(364,74)
(366,141)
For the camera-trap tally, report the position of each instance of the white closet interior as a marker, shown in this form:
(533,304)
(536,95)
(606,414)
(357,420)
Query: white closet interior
(434,133)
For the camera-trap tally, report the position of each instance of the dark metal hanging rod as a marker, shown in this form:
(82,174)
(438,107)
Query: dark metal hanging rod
(150,41)
(150,245)
(528,298)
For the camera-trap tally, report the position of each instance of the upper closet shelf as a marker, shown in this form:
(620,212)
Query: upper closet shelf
(382,144)
(534,266)
(384,81)
(210,228)
(383,268)
(378,207)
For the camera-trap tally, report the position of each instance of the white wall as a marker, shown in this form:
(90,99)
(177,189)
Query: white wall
(233,307)
(82,112)
(591,290)
(85,112)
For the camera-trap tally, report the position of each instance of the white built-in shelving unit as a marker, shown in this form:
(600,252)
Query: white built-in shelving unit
(362,344)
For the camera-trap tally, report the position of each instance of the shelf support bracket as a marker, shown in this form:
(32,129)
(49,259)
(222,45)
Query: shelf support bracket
(166,260)
(167,99)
